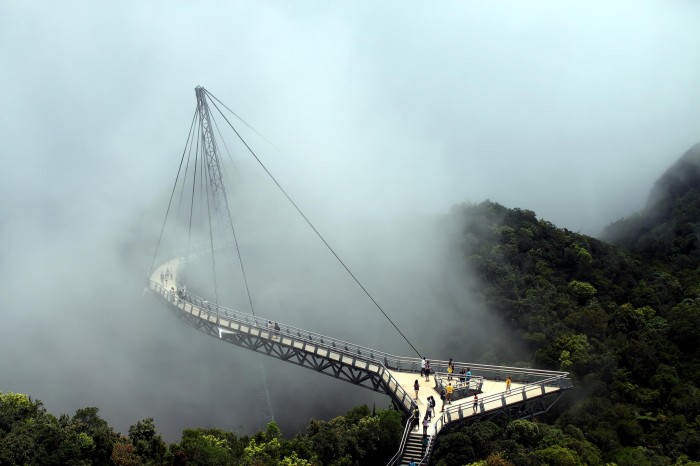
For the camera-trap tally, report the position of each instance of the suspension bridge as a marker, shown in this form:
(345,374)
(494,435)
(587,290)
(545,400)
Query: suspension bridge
(487,392)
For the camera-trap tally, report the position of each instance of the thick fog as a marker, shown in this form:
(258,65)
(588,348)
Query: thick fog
(385,115)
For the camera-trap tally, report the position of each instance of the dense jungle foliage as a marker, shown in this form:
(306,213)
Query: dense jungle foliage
(623,320)
(31,436)
(622,316)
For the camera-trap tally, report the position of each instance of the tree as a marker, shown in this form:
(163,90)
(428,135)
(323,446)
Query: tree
(205,447)
(124,453)
(98,437)
(148,444)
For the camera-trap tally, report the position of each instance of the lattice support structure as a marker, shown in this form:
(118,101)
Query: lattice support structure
(523,410)
(326,359)
(210,150)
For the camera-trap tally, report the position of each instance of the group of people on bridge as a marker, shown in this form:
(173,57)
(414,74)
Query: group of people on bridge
(465,373)
(166,275)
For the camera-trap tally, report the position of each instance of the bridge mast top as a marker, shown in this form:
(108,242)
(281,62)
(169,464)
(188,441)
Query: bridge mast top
(210,150)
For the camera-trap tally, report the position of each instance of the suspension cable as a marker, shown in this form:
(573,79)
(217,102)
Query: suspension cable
(194,184)
(211,237)
(172,194)
(328,246)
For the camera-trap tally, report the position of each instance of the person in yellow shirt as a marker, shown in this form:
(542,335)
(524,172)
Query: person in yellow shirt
(449,390)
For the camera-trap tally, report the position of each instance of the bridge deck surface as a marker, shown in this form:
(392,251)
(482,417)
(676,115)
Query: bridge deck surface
(490,387)
(406,379)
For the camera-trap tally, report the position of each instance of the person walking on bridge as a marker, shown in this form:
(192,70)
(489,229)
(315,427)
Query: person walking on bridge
(426,424)
(508,384)
(422,367)
(449,389)
(416,387)
(427,371)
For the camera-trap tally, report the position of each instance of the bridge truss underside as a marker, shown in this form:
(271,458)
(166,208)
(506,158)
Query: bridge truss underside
(525,409)
(329,361)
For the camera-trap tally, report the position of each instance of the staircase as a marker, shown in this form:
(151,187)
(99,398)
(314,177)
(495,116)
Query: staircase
(414,448)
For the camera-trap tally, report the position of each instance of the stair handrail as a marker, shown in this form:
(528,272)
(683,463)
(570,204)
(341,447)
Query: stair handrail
(404,439)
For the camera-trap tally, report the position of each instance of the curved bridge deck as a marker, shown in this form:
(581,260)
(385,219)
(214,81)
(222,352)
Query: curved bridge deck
(532,391)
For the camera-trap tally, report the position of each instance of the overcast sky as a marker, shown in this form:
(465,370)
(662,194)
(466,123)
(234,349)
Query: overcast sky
(382,110)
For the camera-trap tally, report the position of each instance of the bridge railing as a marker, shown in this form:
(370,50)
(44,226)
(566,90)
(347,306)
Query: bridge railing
(462,385)
(262,322)
(390,361)
(262,325)
(410,423)
(502,399)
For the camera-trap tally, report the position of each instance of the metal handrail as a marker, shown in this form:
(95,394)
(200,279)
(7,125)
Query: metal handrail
(230,314)
(406,433)
(475,382)
(557,380)
(390,360)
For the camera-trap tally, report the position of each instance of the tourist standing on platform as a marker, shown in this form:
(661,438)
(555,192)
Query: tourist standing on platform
(427,371)
(416,387)
(442,398)
(469,374)
(449,389)
(450,369)
(422,367)
(426,424)
(508,384)
(431,404)
(476,402)
(424,444)
(462,375)
(416,417)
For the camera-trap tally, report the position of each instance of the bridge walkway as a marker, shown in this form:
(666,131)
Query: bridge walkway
(532,391)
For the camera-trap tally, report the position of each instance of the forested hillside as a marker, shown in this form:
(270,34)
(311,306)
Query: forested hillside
(668,229)
(624,320)
(29,435)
